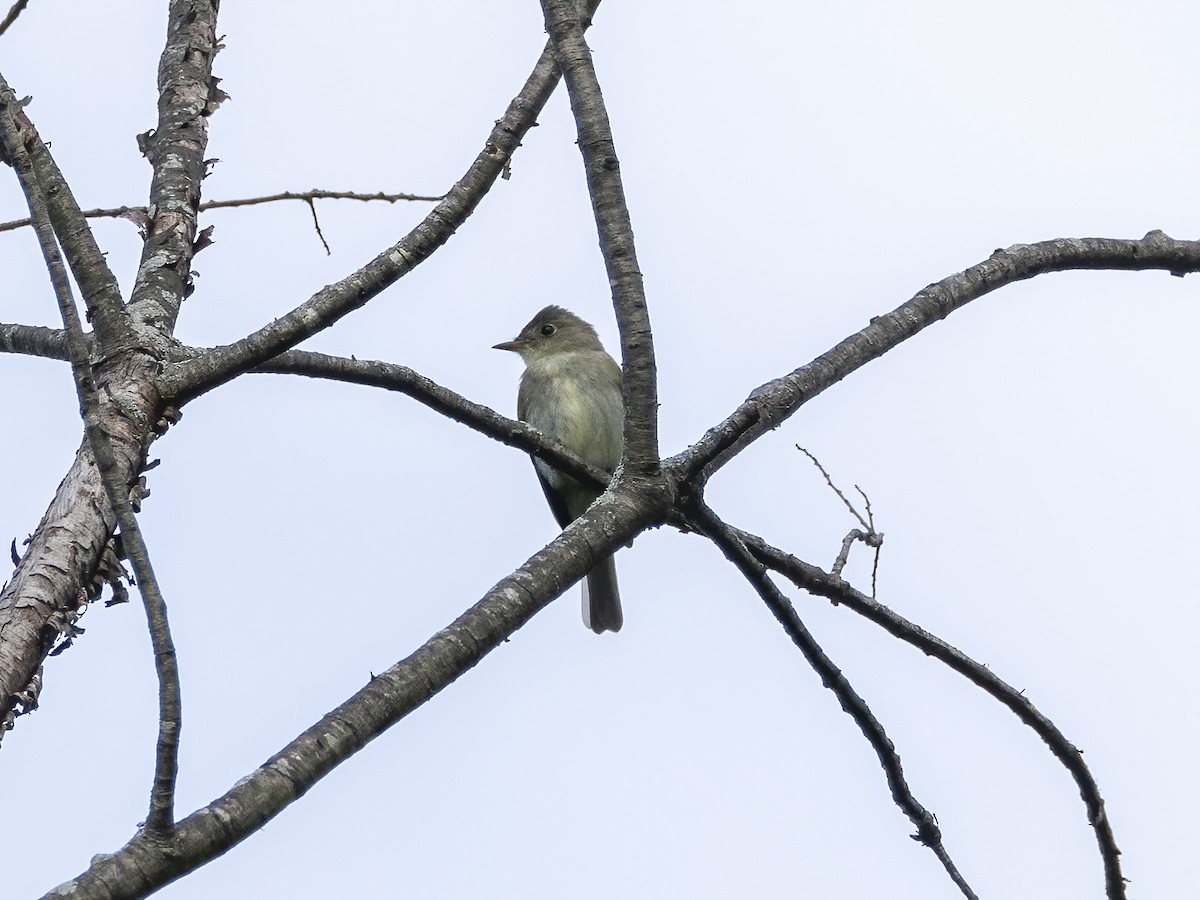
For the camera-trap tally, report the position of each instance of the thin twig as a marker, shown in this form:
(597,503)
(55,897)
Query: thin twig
(875,569)
(829,481)
(97,283)
(161,817)
(312,207)
(133,212)
(870,536)
(877,543)
(867,502)
(812,579)
(16,10)
(640,380)
(871,539)
(315,194)
(843,557)
(735,550)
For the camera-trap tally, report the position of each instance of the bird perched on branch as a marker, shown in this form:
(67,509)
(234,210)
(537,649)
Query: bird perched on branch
(571,391)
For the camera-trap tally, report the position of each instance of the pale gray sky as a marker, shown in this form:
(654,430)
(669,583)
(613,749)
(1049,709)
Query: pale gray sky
(792,170)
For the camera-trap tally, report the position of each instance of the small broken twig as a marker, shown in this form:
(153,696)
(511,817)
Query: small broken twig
(868,535)
(130,212)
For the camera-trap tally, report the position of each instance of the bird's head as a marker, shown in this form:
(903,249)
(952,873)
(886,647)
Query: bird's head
(554,330)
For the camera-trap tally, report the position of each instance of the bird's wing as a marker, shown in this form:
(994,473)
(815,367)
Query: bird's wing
(558,505)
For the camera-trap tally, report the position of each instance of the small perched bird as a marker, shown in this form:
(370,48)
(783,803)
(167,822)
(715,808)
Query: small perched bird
(571,391)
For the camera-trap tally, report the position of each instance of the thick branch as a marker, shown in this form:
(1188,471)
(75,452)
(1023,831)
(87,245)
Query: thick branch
(769,405)
(60,572)
(187,95)
(640,384)
(195,376)
(162,800)
(736,551)
(33,340)
(814,580)
(146,864)
(62,569)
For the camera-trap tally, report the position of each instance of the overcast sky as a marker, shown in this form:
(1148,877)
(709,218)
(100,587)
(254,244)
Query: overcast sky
(792,170)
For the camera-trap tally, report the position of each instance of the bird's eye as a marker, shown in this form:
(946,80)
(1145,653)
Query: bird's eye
(548,329)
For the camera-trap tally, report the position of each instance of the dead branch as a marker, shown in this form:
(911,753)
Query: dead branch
(769,405)
(134,212)
(16,10)
(737,552)
(162,799)
(640,377)
(822,584)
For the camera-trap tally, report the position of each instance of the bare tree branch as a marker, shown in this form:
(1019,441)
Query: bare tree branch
(97,283)
(450,404)
(815,581)
(873,539)
(195,376)
(736,551)
(187,95)
(833,487)
(147,863)
(162,800)
(62,570)
(134,213)
(870,538)
(16,10)
(59,573)
(33,340)
(771,404)
(312,208)
(316,194)
(101,292)
(51,343)
(639,381)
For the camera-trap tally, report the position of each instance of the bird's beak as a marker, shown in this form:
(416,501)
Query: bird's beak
(514,346)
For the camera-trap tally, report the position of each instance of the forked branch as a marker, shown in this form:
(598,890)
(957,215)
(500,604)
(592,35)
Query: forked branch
(197,375)
(815,581)
(736,551)
(640,378)
(161,816)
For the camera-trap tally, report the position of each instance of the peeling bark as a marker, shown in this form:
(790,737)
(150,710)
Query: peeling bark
(60,570)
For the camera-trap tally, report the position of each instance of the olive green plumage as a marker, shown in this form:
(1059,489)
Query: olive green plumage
(571,391)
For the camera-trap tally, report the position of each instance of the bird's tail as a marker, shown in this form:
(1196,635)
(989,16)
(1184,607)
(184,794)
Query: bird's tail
(601,600)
